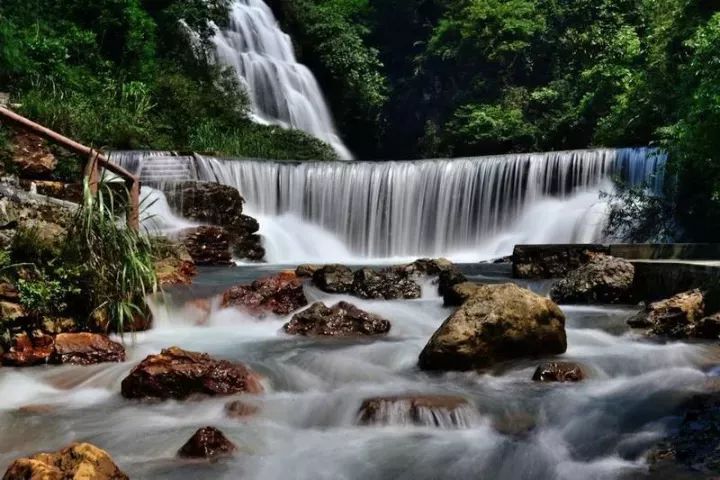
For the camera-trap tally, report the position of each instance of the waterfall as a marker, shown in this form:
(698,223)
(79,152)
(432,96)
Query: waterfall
(281,90)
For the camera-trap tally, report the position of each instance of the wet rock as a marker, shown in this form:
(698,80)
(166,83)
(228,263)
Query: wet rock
(603,279)
(32,156)
(448,278)
(79,461)
(176,267)
(86,349)
(680,316)
(708,327)
(426,267)
(385,284)
(306,270)
(551,261)
(341,320)
(208,442)
(425,410)
(558,372)
(240,409)
(208,245)
(334,279)
(500,322)
(693,448)
(8,293)
(29,349)
(460,293)
(281,295)
(249,247)
(177,373)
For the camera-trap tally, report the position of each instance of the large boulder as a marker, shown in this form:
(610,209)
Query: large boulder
(27,350)
(384,284)
(281,295)
(423,410)
(208,245)
(341,320)
(460,293)
(558,372)
(603,279)
(80,461)
(178,374)
(207,442)
(334,279)
(680,316)
(86,349)
(551,261)
(500,322)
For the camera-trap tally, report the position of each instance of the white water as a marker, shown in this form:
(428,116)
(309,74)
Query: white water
(466,209)
(157,217)
(307,424)
(281,90)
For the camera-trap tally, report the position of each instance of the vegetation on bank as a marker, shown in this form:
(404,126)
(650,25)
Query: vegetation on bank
(423,78)
(134,74)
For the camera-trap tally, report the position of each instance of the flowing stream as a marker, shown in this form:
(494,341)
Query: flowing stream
(307,425)
(281,90)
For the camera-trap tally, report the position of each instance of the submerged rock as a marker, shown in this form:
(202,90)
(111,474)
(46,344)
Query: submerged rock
(86,349)
(27,350)
(240,409)
(334,279)
(500,322)
(208,245)
(178,374)
(384,284)
(680,316)
(80,461)
(443,411)
(603,279)
(341,320)
(208,442)
(281,295)
(558,372)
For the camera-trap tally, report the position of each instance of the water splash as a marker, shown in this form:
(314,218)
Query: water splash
(282,91)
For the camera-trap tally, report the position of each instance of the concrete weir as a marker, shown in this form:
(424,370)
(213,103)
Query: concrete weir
(661,270)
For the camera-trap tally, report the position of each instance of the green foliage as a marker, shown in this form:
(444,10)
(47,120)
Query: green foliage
(639,215)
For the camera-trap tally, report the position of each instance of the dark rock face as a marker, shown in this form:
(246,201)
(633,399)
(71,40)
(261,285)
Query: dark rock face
(385,284)
(558,372)
(222,206)
(281,295)
(27,350)
(551,261)
(500,322)
(603,279)
(460,293)
(341,320)
(680,316)
(86,349)
(306,270)
(208,442)
(425,410)
(208,245)
(78,461)
(176,373)
(334,279)
(693,449)
(426,267)
(448,278)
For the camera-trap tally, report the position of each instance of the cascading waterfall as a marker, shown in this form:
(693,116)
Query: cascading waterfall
(469,208)
(281,90)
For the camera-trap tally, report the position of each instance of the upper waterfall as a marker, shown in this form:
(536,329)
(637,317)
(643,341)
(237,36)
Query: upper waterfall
(281,90)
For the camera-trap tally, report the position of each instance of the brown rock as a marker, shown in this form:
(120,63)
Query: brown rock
(208,442)
(603,279)
(500,322)
(176,373)
(387,284)
(281,295)
(306,270)
(9,292)
(208,245)
(176,268)
(427,266)
(341,320)
(558,372)
(32,156)
(80,461)
(11,310)
(334,279)
(28,350)
(674,317)
(86,349)
(427,410)
(239,409)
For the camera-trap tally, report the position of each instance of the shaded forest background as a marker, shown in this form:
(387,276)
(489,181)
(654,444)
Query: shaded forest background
(405,79)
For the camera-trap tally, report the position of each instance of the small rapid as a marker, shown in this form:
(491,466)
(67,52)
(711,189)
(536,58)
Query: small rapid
(307,424)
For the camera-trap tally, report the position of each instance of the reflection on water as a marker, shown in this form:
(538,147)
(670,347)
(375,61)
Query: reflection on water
(306,427)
